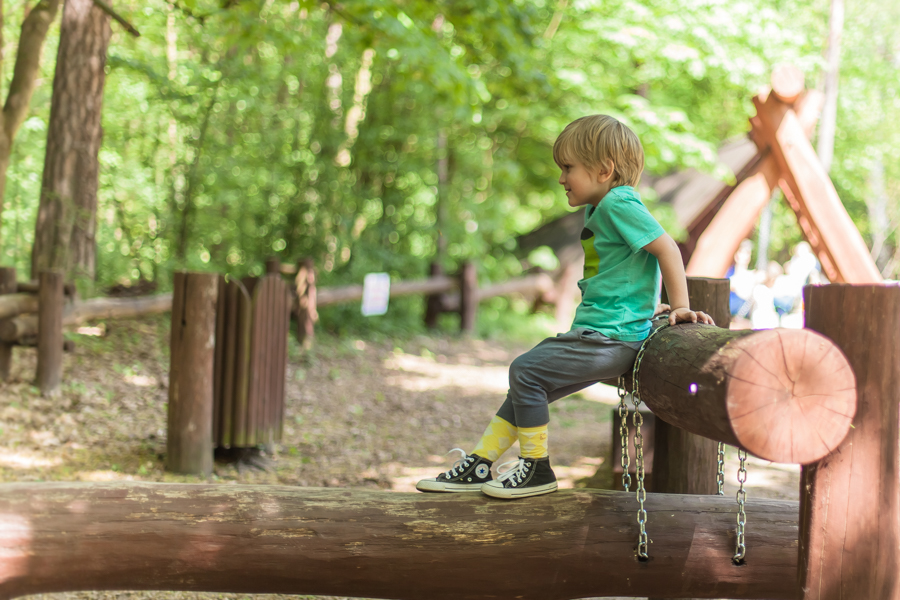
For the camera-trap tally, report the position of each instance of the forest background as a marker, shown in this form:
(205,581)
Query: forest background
(375,135)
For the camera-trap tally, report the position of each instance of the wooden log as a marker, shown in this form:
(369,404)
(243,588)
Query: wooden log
(7,286)
(50,333)
(307,302)
(337,542)
(96,308)
(787,82)
(468,297)
(685,463)
(189,443)
(785,395)
(733,223)
(719,232)
(850,500)
(12,305)
(810,192)
(32,287)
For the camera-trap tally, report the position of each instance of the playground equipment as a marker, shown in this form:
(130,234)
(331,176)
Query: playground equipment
(69,536)
(785,159)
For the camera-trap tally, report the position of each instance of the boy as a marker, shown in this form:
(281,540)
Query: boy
(625,252)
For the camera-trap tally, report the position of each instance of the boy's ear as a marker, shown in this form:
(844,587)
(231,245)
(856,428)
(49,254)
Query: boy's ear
(605,171)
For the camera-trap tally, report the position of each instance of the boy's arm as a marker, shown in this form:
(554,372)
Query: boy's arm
(666,252)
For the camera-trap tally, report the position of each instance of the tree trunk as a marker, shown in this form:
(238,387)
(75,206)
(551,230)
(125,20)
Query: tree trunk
(64,237)
(785,395)
(370,544)
(25,76)
(7,286)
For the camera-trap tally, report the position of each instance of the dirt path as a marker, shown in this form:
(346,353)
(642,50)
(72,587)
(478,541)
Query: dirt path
(358,414)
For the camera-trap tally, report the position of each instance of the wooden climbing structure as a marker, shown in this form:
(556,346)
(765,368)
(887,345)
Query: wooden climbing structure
(785,159)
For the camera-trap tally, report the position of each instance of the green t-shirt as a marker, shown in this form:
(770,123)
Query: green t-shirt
(620,288)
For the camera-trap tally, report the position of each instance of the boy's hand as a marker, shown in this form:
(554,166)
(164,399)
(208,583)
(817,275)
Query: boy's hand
(661,308)
(686,315)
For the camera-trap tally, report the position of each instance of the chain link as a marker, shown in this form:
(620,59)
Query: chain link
(624,459)
(720,471)
(638,419)
(740,549)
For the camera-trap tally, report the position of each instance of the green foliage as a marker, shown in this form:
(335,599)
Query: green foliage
(237,131)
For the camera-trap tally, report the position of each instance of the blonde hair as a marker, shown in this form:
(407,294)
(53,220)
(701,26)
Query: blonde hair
(598,139)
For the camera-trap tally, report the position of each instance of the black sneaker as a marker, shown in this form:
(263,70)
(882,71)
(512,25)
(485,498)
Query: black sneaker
(468,474)
(529,477)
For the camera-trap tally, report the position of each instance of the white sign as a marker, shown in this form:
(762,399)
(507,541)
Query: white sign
(376,293)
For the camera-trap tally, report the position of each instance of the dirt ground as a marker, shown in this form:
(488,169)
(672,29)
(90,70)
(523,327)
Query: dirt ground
(359,413)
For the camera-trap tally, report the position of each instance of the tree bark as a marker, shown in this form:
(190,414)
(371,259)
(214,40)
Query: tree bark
(685,463)
(64,237)
(850,500)
(785,395)
(25,76)
(339,542)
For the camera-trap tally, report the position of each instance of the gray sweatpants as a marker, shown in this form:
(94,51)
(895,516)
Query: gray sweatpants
(560,366)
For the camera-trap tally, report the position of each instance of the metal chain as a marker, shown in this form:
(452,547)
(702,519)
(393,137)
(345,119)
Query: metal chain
(720,471)
(638,420)
(624,459)
(740,548)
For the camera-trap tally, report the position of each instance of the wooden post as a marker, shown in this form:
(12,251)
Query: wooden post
(50,333)
(7,286)
(849,504)
(468,297)
(433,302)
(307,315)
(189,442)
(685,463)
(273,266)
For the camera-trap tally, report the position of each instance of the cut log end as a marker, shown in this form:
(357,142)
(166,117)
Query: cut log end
(787,83)
(792,394)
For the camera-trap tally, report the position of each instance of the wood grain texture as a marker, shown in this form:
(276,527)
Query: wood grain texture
(782,394)
(338,542)
(850,501)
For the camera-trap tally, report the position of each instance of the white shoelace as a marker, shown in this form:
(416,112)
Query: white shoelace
(459,466)
(519,471)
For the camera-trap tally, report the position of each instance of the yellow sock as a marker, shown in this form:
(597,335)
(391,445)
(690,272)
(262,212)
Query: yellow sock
(496,439)
(533,442)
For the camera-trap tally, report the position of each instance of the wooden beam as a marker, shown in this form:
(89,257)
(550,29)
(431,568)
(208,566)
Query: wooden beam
(785,395)
(733,223)
(850,500)
(825,222)
(357,543)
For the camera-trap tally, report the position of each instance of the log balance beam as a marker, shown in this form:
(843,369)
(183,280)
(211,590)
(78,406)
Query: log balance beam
(58,537)
(785,395)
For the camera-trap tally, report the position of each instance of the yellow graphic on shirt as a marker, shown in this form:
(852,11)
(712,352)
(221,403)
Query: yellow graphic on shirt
(496,439)
(533,442)
(591,258)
